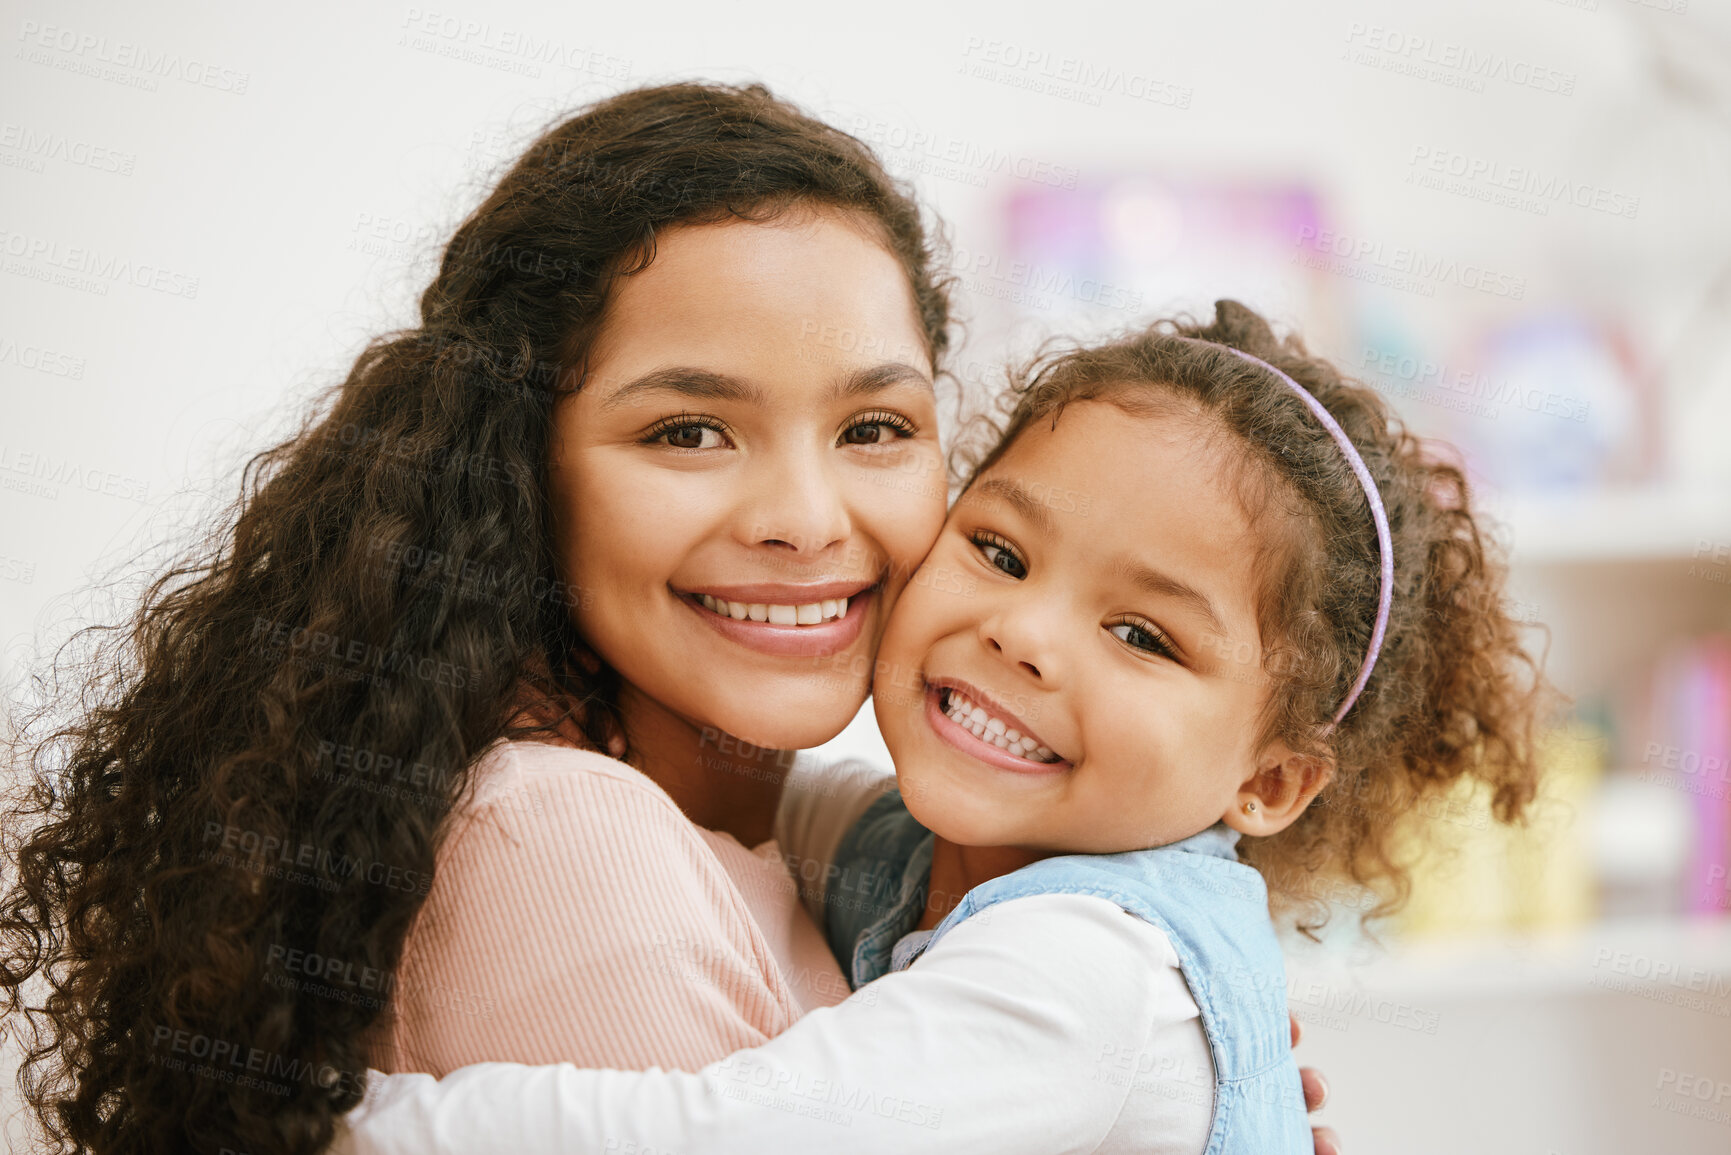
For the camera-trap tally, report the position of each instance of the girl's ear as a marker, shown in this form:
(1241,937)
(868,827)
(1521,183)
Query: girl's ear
(1272,799)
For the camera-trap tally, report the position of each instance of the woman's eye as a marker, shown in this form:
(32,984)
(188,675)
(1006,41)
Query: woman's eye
(1142,638)
(875,428)
(1001,558)
(692,437)
(868,433)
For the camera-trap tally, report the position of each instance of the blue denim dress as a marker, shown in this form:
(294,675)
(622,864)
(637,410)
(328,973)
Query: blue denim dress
(1213,909)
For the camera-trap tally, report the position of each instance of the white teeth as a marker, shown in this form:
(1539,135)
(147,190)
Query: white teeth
(809,614)
(982,725)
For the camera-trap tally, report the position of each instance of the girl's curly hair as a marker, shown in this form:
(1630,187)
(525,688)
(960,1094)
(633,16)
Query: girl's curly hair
(1454,695)
(261,761)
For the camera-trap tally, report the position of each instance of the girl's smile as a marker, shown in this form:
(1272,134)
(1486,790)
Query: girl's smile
(974,723)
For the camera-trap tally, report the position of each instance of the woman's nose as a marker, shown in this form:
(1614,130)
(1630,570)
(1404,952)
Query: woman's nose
(796,505)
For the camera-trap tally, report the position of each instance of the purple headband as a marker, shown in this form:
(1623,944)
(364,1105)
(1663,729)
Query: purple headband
(1385,545)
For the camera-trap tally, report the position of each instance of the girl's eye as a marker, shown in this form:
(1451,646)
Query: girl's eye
(687,433)
(999,555)
(870,428)
(1147,637)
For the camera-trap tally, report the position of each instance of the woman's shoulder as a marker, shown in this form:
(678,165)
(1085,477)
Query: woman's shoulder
(516,764)
(584,825)
(520,787)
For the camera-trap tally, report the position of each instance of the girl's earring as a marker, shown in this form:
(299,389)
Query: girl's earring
(1250,808)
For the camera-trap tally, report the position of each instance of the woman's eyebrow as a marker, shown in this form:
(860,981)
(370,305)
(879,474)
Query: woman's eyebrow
(708,385)
(877,378)
(689,382)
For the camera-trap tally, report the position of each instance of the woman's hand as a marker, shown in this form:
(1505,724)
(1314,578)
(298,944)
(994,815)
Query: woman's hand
(1315,1096)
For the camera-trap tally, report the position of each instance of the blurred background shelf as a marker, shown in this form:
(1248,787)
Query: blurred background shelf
(1621,525)
(1666,959)
(1555,1044)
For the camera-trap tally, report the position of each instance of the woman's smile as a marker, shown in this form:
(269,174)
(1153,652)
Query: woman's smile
(796,621)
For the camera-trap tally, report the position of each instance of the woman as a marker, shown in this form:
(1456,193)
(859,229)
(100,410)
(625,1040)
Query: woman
(301,721)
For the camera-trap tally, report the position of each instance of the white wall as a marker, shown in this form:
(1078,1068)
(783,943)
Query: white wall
(265,196)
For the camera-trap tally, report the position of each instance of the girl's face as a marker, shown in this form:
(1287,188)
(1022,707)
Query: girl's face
(750,473)
(1089,613)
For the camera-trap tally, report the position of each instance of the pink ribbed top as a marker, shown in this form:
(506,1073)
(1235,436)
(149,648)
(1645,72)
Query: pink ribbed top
(577,915)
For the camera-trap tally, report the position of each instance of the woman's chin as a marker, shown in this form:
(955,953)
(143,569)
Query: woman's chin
(788,723)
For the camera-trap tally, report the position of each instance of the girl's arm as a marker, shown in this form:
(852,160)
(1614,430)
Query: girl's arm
(820,803)
(1053,1023)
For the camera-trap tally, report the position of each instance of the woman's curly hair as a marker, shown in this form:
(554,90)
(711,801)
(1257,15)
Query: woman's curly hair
(260,762)
(1454,695)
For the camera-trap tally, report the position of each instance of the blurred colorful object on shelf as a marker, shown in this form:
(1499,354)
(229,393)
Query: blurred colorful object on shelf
(1570,406)
(1145,244)
(1687,749)
(1474,875)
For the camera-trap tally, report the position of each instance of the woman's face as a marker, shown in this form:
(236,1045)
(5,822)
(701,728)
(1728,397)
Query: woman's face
(749,473)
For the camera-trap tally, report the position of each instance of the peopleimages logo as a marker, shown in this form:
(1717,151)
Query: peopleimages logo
(1363,257)
(920,148)
(41,359)
(276,640)
(1438,382)
(1068,77)
(44,146)
(502,47)
(1026,282)
(53,471)
(87,53)
(1449,62)
(40,257)
(1518,186)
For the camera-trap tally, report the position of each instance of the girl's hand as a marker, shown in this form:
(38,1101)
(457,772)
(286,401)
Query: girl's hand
(1315,1095)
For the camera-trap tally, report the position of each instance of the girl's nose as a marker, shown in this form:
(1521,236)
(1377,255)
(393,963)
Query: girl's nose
(1026,665)
(1025,637)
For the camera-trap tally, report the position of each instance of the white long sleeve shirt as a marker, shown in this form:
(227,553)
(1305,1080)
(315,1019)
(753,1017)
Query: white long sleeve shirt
(1045,1024)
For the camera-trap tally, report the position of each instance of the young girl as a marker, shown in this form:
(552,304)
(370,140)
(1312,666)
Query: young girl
(1219,627)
